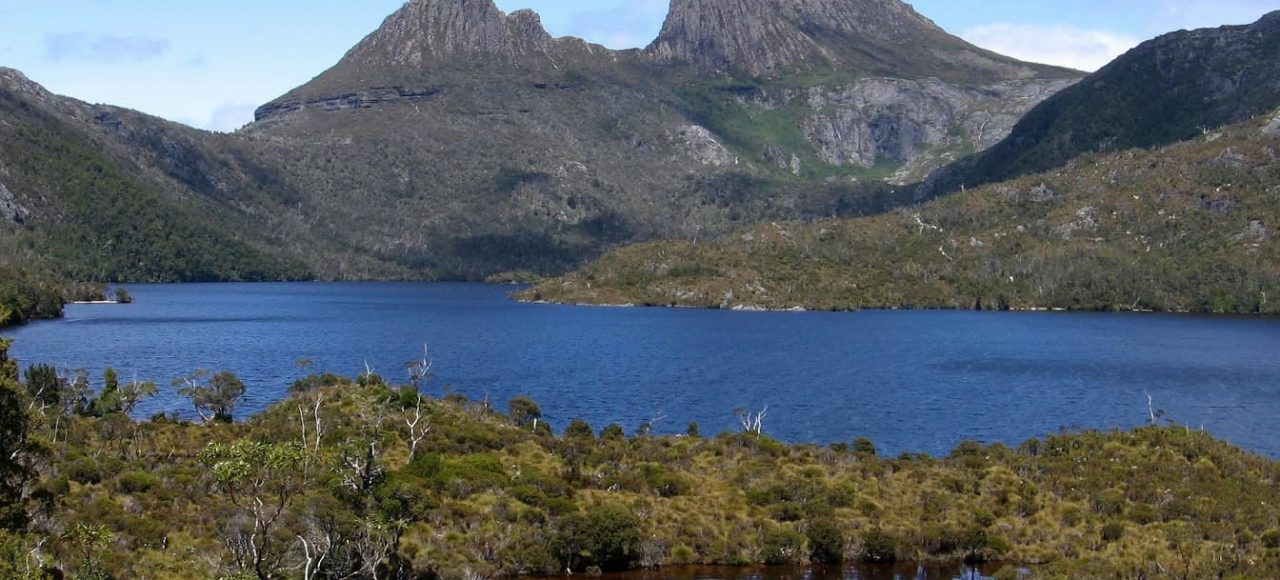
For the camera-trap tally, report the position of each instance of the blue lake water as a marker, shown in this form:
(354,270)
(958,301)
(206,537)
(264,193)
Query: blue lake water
(911,381)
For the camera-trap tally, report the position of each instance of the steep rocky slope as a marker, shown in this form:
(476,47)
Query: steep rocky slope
(1187,228)
(1169,89)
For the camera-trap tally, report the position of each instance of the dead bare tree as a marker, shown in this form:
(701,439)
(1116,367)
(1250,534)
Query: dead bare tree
(418,427)
(752,423)
(420,370)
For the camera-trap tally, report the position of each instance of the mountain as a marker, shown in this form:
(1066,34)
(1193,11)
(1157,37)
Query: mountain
(457,141)
(1190,227)
(1166,90)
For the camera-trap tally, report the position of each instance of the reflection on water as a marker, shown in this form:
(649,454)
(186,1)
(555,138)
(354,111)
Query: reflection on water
(900,571)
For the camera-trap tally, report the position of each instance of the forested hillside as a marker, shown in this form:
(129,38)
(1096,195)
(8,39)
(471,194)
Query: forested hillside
(1189,227)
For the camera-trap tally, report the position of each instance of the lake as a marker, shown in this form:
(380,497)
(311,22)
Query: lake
(911,381)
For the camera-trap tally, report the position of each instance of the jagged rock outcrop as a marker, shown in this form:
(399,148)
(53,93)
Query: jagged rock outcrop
(425,32)
(873,37)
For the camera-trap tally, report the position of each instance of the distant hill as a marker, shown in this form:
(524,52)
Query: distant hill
(1190,227)
(1175,87)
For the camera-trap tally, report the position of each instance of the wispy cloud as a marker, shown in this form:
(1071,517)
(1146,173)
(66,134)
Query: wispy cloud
(103,49)
(631,24)
(1077,48)
(231,116)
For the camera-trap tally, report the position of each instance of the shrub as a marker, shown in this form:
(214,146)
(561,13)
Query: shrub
(579,429)
(863,447)
(607,536)
(782,546)
(613,432)
(1271,539)
(137,482)
(879,547)
(826,542)
(1112,532)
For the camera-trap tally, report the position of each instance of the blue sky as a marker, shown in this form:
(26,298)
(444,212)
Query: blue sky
(209,63)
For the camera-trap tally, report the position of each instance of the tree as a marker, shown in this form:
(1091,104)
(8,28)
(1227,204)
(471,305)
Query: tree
(524,412)
(261,480)
(108,401)
(214,398)
(123,296)
(14,426)
(44,385)
(133,393)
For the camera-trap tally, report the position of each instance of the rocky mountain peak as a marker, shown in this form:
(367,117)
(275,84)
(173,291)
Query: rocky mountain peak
(425,32)
(767,37)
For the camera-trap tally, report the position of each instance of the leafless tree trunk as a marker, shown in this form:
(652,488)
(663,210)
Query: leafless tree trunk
(418,428)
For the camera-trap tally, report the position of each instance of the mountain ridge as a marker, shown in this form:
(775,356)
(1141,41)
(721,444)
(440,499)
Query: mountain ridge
(1167,89)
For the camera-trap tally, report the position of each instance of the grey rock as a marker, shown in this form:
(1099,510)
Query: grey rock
(1272,128)
(10,211)
(1086,219)
(702,145)
(918,124)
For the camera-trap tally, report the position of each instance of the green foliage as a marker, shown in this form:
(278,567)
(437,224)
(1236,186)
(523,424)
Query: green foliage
(26,296)
(14,427)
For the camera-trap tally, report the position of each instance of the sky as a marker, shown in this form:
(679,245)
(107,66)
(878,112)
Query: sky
(208,64)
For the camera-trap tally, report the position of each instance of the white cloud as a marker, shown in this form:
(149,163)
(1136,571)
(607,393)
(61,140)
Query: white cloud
(105,49)
(1061,45)
(230,116)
